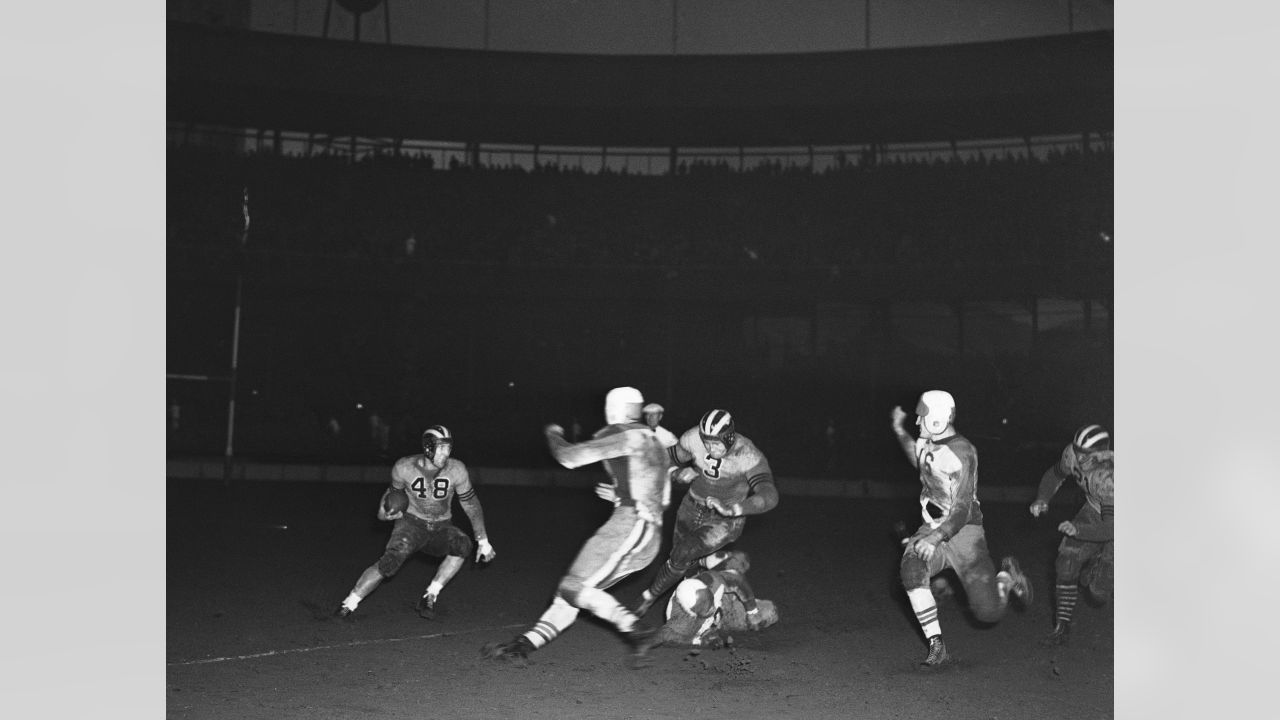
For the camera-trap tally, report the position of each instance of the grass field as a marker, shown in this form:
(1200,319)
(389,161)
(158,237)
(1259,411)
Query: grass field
(254,569)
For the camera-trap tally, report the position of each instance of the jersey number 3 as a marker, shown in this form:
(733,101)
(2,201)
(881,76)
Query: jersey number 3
(439,488)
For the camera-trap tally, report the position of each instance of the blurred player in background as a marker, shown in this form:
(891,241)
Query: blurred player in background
(731,479)
(1086,555)
(951,535)
(431,480)
(707,608)
(634,454)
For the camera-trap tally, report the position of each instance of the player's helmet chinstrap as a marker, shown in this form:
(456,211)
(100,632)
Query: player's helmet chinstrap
(718,424)
(436,435)
(1092,438)
(937,410)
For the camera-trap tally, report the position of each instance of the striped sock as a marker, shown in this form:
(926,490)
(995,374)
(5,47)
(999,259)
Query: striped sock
(553,622)
(926,611)
(1066,595)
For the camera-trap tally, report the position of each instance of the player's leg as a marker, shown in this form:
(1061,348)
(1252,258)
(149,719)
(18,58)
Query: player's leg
(625,545)
(915,572)
(709,533)
(455,546)
(406,537)
(988,590)
(1098,575)
(555,619)
(1072,556)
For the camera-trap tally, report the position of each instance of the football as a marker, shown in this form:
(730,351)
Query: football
(396,500)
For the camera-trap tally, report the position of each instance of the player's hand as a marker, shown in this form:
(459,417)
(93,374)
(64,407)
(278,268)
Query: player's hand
(607,492)
(1068,528)
(553,429)
(388,516)
(484,551)
(730,510)
(685,475)
(924,548)
(899,415)
(1039,508)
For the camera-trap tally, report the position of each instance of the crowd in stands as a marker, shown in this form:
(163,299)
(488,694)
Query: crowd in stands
(410,209)
(1005,208)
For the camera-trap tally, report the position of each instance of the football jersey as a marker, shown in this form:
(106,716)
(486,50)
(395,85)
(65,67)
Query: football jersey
(635,458)
(431,490)
(1094,473)
(949,484)
(729,479)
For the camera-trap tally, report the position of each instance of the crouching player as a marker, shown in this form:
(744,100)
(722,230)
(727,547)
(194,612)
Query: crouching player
(1086,555)
(951,534)
(431,480)
(706,609)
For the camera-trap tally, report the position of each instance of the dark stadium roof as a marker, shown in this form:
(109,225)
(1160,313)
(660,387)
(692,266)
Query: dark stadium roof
(1056,85)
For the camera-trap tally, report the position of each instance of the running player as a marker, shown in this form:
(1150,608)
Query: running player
(431,480)
(951,534)
(731,479)
(1086,555)
(634,455)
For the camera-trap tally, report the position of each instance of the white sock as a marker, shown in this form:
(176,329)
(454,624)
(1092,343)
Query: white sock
(926,611)
(352,601)
(434,588)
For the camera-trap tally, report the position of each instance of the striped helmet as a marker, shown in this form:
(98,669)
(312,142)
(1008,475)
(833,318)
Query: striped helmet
(1091,438)
(718,424)
(436,435)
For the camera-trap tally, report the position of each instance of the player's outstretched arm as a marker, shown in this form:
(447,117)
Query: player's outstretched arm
(575,455)
(905,441)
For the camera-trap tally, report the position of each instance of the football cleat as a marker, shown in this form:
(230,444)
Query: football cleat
(1019,583)
(426,607)
(343,612)
(1059,636)
(515,651)
(937,656)
(642,638)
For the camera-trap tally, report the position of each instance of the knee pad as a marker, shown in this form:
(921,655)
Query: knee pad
(914,572)
(570,589)
(390,562)
(460,545)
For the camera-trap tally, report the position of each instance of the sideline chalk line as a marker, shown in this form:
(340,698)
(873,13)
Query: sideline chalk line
(353,643)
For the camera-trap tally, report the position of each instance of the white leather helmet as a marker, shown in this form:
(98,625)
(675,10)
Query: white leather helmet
(937,410)
(622,405)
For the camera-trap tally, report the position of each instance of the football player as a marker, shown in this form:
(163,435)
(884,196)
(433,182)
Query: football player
(951,534)
(1086,555)
(634,455)
(431,479)
(731,480)
(706,608)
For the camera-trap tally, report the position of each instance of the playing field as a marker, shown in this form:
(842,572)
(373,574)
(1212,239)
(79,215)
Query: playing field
(254,570)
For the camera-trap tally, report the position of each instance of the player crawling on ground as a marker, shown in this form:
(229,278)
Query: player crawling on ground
(1086,555)
(431,480)
(706,609)
(951,534)
(731,479)
(634,455)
